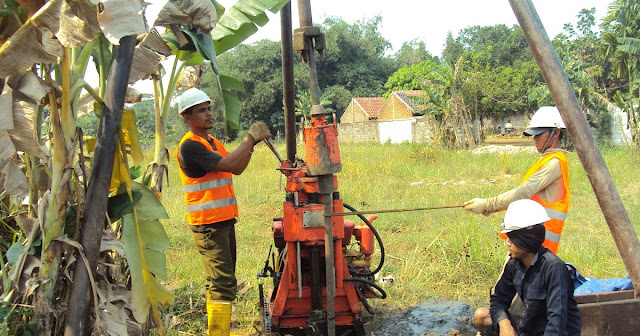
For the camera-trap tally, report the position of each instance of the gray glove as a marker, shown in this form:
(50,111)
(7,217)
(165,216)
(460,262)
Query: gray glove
(259,131)
(477,205)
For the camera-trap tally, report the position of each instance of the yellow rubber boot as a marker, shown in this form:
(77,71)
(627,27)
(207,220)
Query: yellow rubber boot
(219,317)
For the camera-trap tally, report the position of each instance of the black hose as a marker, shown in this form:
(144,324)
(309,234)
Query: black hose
(381,293)
(361,295)
(378,239)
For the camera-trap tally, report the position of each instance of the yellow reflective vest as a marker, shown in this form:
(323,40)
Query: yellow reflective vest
(557,211)
(210,198)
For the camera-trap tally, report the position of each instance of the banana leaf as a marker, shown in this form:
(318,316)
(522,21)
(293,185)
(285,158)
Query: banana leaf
(145,241)
(239,22)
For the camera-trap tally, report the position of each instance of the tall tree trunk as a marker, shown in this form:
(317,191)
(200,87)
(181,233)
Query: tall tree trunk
(93,218)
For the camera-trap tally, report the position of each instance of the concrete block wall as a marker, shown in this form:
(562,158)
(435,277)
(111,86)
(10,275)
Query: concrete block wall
(362,132)
(422,130)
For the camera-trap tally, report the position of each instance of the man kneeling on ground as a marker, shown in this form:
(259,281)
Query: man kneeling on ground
(538,277)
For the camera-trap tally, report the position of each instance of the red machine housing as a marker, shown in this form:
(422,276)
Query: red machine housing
(296,303)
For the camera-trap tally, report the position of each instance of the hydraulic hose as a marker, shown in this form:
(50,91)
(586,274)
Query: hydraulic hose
(378,239)
(381,293)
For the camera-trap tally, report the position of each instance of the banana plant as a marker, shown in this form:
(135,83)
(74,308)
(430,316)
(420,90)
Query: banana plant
(42,65)
(199,30)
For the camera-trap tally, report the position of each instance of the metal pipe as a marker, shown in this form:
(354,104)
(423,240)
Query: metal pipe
(298,262)
(329,256)
(304,11)
(325,181)
(288,83)
(563,95)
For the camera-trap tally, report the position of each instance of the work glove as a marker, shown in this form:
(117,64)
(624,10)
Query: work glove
(259,131)
(476,205)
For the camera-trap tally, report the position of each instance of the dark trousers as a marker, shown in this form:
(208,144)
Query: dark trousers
(217,247)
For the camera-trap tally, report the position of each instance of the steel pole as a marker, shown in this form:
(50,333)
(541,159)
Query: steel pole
(563,95)
(325,181)
(288,83)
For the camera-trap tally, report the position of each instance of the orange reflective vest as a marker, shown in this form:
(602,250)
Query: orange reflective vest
(210,198)
(557,211)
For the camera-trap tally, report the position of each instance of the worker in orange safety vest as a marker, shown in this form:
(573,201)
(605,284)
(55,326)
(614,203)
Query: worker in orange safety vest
(546,181)
(206,170)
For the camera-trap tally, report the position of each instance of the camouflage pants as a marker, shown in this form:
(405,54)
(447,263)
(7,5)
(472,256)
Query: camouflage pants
(217,247)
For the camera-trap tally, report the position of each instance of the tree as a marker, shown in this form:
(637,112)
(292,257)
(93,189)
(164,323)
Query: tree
(355,57)
(621,29)
(412,52)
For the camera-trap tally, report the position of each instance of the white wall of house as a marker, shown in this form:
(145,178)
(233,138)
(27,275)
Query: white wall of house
(396,131)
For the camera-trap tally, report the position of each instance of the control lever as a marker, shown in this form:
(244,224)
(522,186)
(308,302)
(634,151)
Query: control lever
(269,144)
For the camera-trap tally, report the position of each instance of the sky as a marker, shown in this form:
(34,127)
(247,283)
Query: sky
(423,20)
(430,21)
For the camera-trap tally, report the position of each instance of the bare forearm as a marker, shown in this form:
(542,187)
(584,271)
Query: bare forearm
(238,160)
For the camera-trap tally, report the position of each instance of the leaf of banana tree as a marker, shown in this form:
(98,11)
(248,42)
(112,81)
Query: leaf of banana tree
(74,23)
(6,111)
(232,108)
(186,54)
(28,87)
(132,96)
(149,207)
(145,62)
(154,41)
(120,174)
(202,13)
(119,18)
(15,183)
(203,44)
(230,83)
(131,137)
(169,14)
(22,50)
(144,243)
(121,204)
(239,22)
(31,6)
(10,23)
(21,134)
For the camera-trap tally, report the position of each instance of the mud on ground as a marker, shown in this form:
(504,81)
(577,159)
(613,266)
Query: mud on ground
(430,318)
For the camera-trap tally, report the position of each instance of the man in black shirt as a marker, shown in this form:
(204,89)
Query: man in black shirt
(538,276)
(206,170)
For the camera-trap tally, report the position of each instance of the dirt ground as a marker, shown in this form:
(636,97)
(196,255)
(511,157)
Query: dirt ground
(431,318)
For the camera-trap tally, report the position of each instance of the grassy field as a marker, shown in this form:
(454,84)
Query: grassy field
(450,254)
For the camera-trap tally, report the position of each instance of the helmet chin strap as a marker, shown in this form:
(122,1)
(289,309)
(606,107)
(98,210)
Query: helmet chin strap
(546,143)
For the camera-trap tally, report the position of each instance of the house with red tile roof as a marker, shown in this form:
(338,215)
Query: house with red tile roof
(362,109)
(403,104)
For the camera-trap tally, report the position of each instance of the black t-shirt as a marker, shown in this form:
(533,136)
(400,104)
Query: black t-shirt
(196,160)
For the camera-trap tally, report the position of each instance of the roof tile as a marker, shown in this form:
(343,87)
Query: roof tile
(371,105)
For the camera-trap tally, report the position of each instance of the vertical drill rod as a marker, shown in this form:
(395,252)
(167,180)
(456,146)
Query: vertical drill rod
(288,83)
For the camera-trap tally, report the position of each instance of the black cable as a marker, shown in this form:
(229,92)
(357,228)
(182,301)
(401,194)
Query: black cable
(375,233)
(381,293)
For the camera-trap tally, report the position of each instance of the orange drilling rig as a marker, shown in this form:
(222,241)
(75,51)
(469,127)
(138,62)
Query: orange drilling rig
(306,298)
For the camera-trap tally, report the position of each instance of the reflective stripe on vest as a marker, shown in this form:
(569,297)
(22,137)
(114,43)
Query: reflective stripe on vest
(210,198)
(206,185)
(557,211)
(211,204)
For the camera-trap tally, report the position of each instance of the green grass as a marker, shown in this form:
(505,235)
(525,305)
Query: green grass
(449,253)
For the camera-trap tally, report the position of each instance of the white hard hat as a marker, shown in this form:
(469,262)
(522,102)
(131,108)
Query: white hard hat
(190,98)
(523,213)
(545,117)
